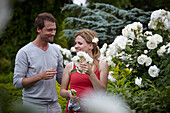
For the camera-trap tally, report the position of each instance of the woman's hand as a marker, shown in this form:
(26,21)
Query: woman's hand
(86,68)
(72,95)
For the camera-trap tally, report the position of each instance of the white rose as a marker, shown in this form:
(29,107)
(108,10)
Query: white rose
(138,81)
(147,33)
(73,49)
(66,62)
(161,50)
(148,61)
(121,41)
(158,38)
(142,59)
(153,71)
(110,77)
(145,51)
(152,44)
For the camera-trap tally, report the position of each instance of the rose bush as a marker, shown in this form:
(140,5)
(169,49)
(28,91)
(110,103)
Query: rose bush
(139,63)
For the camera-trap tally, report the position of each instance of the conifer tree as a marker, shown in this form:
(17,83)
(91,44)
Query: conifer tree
(107,20)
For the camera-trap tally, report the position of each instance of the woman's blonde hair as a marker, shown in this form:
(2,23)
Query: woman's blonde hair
(88,36)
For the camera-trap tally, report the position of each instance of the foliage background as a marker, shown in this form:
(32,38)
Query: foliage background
(20,31)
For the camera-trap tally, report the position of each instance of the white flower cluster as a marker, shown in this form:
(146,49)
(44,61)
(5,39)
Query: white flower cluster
(82,56)
(144,59)
(65,52)
(110,77)
(118,45)
(160,16)
(106,56)
(163,49)
(153,41)
(133,31)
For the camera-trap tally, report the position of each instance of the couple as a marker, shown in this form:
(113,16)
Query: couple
(39,64)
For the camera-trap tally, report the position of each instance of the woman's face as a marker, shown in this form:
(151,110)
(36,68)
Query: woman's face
(81,44)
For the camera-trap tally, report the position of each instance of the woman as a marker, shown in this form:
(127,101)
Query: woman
(94,76)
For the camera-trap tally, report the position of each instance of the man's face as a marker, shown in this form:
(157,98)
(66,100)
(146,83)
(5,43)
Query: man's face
(48,32)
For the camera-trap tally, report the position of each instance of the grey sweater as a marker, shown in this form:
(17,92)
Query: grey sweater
(31,60)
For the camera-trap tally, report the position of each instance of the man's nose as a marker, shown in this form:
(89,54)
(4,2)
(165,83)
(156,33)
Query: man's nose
(53,32)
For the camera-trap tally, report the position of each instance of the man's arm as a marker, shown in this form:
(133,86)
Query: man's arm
(20,71)
(60,68)
(48,74)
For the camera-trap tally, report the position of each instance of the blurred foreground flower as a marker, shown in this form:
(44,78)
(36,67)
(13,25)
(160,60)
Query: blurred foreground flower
(100,103)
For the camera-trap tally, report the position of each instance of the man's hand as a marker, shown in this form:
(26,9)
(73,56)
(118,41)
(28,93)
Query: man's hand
(48,74)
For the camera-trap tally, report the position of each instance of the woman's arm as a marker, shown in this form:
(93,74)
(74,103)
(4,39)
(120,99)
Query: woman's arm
(64,92)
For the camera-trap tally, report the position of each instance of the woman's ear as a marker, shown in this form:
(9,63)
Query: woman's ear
(91,46)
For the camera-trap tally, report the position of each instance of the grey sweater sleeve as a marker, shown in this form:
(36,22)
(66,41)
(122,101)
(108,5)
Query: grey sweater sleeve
(60,68)
(20,70)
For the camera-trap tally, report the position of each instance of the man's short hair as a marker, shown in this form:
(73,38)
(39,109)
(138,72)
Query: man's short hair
(39,21)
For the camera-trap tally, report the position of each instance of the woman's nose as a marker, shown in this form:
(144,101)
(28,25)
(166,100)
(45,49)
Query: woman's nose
(76,46)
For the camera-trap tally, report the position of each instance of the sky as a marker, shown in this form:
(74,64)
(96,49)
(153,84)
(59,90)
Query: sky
(79,2)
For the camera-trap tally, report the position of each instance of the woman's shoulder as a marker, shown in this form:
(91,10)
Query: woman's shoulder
(102,65)
(69,66)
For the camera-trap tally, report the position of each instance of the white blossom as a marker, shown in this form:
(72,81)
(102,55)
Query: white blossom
(168,48)
(158,38)
(76,60)
(66,62)
(160,16)
(161,50)
(85,56)
(138,81)
(148,33)
(103,49)
(142,59)
(110,77)
(72,49)
(148,61)
(145,51)
(152,44)
(132,31)
(120,41)
(66,52)
(95,40)
(153,71)
(129,42)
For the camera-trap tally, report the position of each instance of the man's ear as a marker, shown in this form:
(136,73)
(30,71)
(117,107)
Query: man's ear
(38,30)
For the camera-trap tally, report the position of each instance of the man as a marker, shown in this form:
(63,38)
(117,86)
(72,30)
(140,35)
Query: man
(37,67)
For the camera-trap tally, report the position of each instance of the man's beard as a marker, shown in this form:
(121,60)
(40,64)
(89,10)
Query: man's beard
(46,38)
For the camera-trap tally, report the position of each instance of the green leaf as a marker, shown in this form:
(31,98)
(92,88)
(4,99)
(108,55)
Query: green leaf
(73,71)
(80,71)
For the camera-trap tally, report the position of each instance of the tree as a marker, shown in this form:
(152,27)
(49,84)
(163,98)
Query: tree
(107,20)
(20,29)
